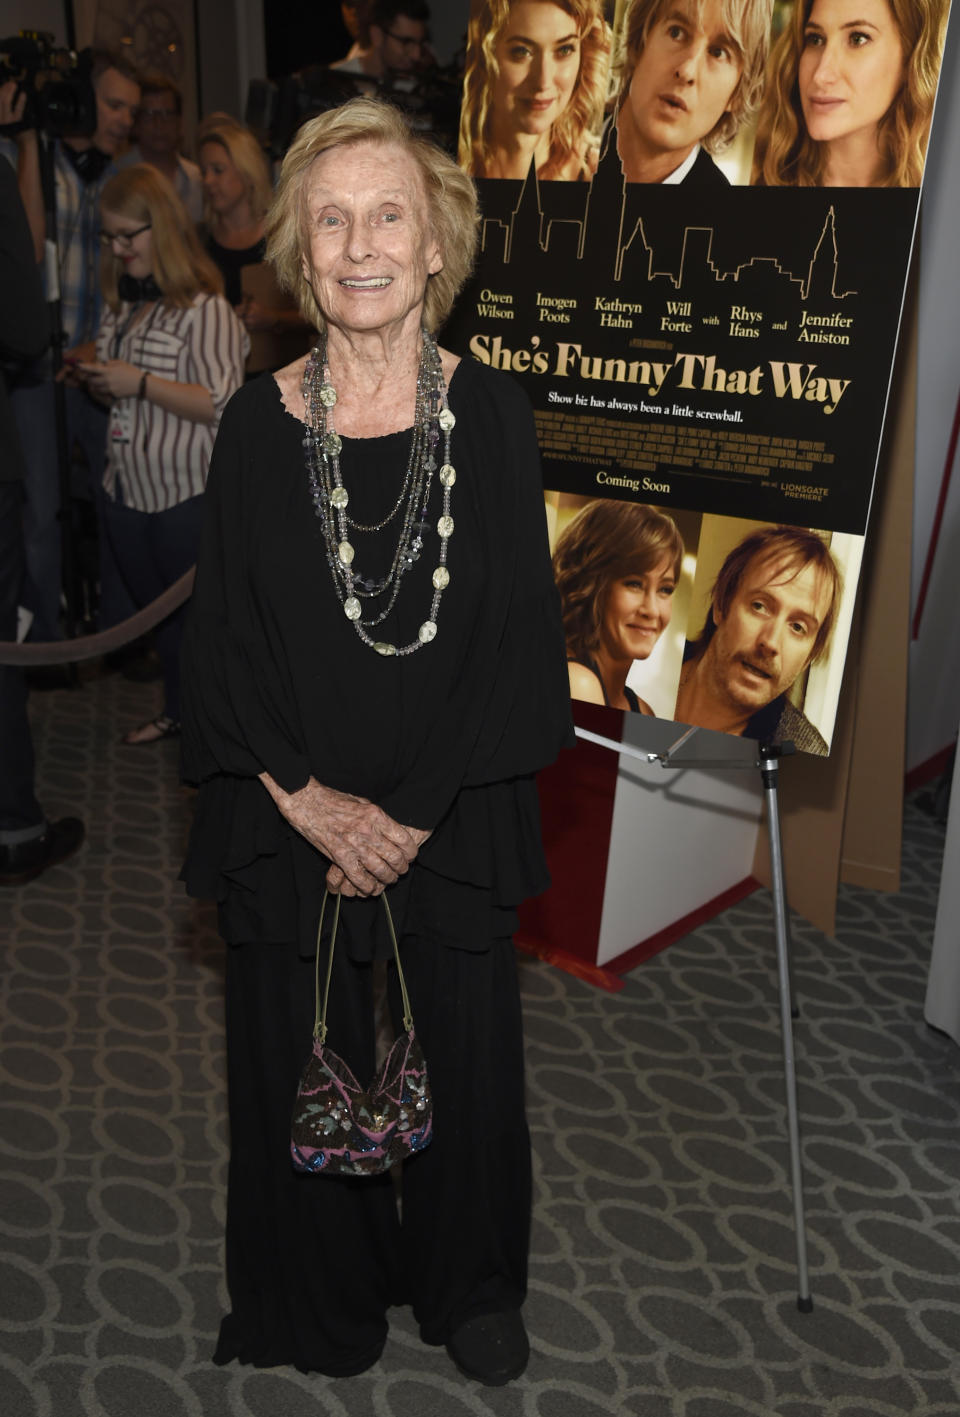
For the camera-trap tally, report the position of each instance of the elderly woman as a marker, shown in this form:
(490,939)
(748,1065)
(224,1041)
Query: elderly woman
(850,94)
(534,88)
(691,73)
(375,671)
(617,566)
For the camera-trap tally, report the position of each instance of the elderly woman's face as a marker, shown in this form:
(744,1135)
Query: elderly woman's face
(851,68)
(638,611)
(369,249)
(538,57)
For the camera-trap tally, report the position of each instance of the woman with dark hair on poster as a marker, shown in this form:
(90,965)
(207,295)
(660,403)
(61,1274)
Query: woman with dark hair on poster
(534,88)
(850,94)
(616,566)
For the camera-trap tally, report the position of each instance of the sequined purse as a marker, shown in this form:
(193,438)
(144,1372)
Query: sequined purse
(342,1129)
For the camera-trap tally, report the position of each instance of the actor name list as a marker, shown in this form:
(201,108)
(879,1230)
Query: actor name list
(674,317)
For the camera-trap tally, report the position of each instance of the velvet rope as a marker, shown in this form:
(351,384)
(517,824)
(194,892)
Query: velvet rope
(105,641)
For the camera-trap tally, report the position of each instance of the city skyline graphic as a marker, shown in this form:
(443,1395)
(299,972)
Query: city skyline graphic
(622,247)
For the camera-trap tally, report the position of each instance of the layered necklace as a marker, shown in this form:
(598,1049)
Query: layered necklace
(367,600)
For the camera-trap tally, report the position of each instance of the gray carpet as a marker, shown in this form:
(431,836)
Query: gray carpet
(662,1275)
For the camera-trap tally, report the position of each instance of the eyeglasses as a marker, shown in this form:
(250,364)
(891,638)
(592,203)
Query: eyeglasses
(124,239)
(405,41)
(158,115)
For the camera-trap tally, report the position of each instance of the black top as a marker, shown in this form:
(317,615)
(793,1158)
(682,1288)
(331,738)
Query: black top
(276,678)
(230,263)
(24,332)
(632,701)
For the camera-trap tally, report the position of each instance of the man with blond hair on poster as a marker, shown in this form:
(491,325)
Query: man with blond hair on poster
(772,611)
(691,74)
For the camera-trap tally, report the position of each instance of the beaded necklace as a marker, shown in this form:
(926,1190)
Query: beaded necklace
(322,446)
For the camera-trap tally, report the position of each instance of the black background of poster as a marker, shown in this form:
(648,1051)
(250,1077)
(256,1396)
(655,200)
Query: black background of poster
(775,252)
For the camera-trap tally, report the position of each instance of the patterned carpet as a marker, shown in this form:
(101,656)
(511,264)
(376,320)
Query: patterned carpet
(662,1277)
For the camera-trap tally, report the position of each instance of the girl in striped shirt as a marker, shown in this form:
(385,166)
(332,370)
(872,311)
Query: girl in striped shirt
(170,352)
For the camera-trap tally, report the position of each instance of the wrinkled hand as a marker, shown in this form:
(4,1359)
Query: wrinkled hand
(337,882)
(367,848)
(116,379)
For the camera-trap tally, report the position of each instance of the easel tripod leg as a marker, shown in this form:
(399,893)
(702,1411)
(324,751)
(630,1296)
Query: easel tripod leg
(769,771)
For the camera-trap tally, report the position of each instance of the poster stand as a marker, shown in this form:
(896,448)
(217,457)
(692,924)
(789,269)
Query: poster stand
(768,762)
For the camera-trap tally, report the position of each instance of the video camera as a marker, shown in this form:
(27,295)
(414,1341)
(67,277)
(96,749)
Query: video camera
(275,110)
(61,101)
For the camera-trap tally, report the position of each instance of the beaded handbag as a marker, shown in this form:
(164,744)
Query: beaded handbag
(342,1129)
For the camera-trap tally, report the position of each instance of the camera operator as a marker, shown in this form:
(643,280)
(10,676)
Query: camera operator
(28,842)
(81,167)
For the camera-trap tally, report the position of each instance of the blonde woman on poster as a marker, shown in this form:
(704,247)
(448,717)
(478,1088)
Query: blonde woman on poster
(534,88)
(616,566)
(850,94)
(691,73)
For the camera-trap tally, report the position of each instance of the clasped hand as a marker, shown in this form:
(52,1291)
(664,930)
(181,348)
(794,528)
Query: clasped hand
(114,379)
(367,848)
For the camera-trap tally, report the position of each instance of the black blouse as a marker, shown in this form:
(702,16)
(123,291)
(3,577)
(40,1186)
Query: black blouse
(276,678)
(230,262)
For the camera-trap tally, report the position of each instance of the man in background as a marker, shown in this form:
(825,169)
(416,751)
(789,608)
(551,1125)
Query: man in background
(28,842)
(772,612)
(82,166)
(159,133)
(397,42)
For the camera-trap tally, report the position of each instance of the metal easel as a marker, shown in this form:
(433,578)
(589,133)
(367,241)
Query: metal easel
(768,762)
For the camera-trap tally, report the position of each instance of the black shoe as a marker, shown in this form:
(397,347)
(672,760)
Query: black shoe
(493,1349)
(29,859)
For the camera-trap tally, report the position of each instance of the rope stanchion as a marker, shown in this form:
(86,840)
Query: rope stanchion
(105,641)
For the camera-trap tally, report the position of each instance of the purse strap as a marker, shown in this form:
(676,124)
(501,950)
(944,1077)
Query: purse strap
(320,1014)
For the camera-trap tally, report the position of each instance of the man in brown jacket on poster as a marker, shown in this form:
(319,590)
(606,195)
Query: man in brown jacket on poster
(772,613)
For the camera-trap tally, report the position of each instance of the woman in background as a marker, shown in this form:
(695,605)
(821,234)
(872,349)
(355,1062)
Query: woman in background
(170,353)
(534,88)
(237,192)
(850,94)
(616,566)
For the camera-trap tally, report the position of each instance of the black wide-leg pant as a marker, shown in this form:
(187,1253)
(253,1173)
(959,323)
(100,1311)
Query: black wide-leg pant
(314,1261)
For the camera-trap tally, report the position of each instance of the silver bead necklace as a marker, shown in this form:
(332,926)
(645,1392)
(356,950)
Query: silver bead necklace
(433,420)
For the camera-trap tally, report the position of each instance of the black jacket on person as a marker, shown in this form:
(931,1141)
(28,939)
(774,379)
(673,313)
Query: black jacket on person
(275,678)
(24,330)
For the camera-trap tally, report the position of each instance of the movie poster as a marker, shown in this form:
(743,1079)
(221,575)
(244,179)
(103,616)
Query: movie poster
(697,224)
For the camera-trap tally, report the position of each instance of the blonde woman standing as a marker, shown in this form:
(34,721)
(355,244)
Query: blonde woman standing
(170,353)
(236,194)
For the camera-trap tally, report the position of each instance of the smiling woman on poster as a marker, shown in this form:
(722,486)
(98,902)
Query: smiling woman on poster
(616,566)
(534,88)
(850,94)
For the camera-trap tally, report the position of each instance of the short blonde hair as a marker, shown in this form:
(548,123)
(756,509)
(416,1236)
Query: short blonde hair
(570,135)
(452,213)
(181,267)
(747,22)
(786,156)
(247,156)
